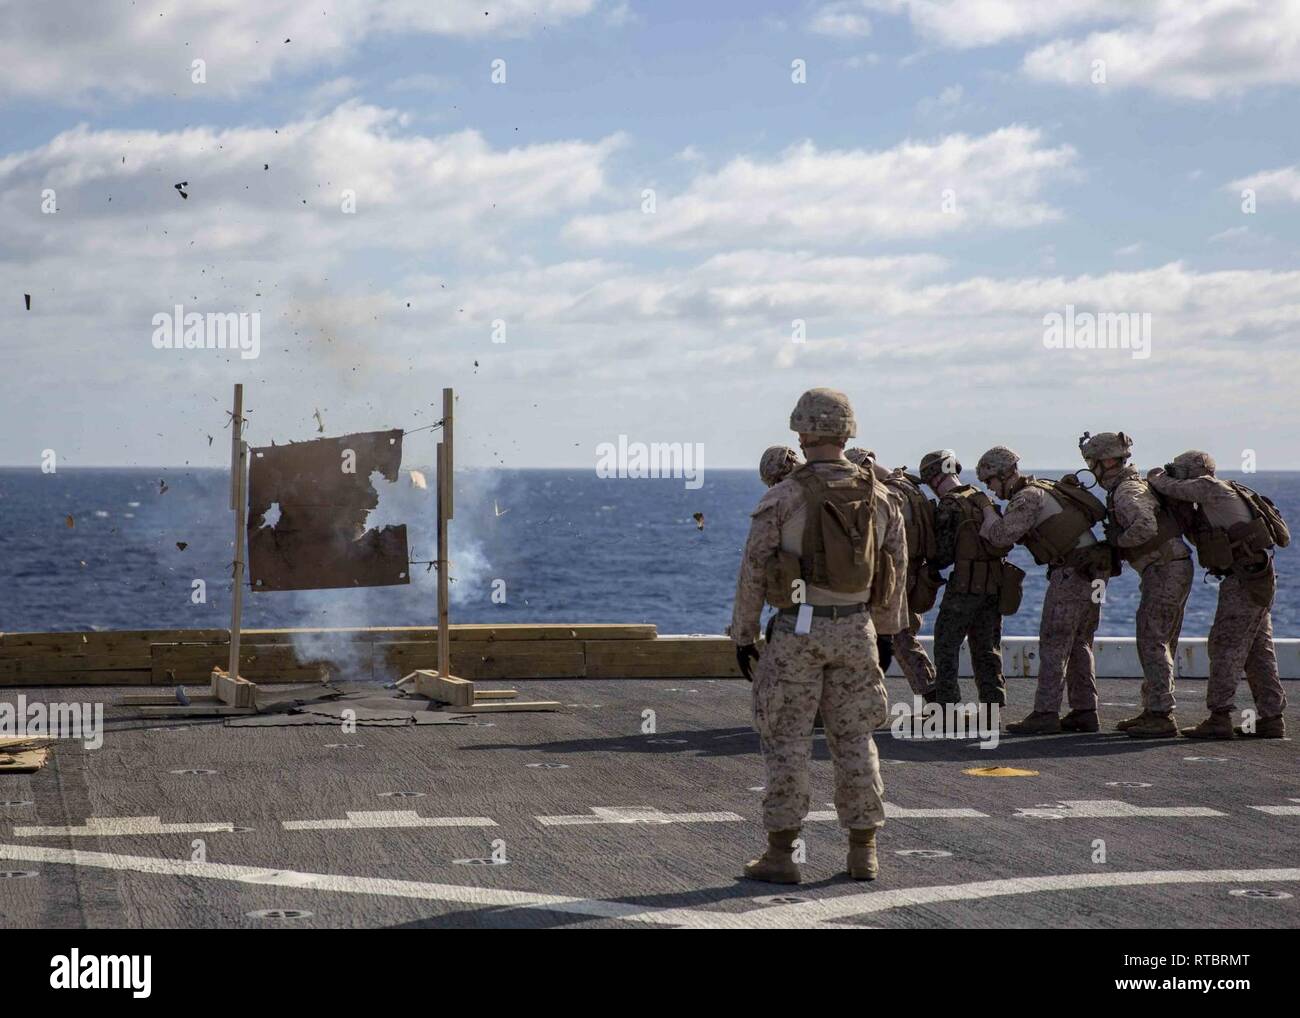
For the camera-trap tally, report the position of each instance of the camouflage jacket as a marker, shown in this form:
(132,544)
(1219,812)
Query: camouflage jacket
(1024,510)
(777,523)
(1134,514)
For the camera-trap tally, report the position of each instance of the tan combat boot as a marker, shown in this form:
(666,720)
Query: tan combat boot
(863,864)
(1080,721)
(1156,725)
(776,865)
(1266,728)
(1040,722)
(1132,722)
(1217,726)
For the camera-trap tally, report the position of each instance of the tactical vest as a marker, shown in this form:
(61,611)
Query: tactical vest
(838,551)
(922,544)
(977,568)
(1219,549)
(1053,541)
(1167,528)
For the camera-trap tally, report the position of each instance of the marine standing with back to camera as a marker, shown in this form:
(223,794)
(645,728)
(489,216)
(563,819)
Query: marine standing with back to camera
(826,548)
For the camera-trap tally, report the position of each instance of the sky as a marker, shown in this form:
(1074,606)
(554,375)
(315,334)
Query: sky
(663,220)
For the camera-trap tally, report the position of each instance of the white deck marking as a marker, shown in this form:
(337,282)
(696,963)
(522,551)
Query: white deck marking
(893,812)
(637,815)
(483,897)
(1280,811)
(96,827)
(1099,809)
(380,818)
(802,914)
(847,906)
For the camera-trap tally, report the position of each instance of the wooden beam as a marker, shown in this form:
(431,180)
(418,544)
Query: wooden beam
(233,690)
(444,620)
(239,503)
(443,688)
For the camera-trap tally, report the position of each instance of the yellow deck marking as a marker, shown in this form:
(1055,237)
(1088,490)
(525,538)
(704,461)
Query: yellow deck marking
(1000,772)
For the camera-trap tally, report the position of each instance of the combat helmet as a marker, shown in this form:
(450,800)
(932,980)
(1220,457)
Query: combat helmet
(776,464)
(1190,464)
(823,412)
(942,461)
(1109,445)
(859,456)
(997,462)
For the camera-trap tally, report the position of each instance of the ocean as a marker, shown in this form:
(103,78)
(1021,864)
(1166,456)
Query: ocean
(552,545)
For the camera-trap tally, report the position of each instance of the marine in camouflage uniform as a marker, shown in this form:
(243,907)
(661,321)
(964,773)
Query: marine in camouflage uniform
(1038,516)
(777,463)
(1148,539)
(905,644)
(1233,545)
(834,666)
(970,608)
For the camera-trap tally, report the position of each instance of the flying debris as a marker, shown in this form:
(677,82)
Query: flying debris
(162,487)
(209,439)
(182,545)
(497,509)
(179,188)
(27,299)
(320,423)
(69,521)
(699,520)
(418,481)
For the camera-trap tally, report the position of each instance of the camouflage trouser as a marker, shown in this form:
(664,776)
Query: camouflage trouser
(916,667)
(1242,639)
(834,667)
(1164,587)
(973,617)
(1065,633)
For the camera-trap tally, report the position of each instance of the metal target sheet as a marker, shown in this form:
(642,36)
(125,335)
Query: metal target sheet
(323,492)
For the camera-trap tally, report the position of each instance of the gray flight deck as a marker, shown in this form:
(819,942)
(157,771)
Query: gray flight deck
(602,825)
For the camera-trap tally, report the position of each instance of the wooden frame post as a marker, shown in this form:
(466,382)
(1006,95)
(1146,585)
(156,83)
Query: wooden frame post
(239,503)
(445,460)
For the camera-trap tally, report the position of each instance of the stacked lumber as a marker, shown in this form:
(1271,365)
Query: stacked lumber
(463,698)
(171,657)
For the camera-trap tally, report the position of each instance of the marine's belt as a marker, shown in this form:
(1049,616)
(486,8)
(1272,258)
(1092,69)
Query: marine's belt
(833,611)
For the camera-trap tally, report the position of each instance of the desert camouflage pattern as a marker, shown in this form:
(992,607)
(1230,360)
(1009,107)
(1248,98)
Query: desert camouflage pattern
(1222,506)
(834,668)
(1164,590)
(914,663)
(977,619)
(777,463)
(1135,515)
(1241,638)
(1070,615)
(777,523)
(996,462)
(823,412)
(1065,634)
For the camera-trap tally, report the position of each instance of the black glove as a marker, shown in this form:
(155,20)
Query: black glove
(885,648)
(745,653)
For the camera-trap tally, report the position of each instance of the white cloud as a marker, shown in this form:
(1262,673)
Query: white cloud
(807,196)
(843,18)
(1281,184)
(965,24)
(447,193)
(71,51)
(1197,49)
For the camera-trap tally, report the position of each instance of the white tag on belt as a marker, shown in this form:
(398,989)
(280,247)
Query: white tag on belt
(803,621)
